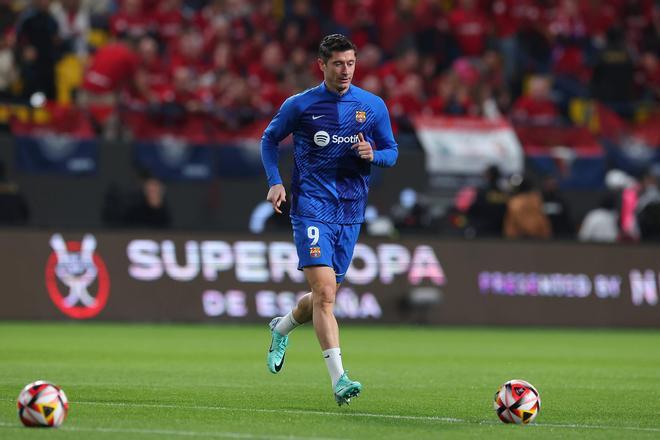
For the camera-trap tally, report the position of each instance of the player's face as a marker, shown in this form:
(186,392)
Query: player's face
(338,71)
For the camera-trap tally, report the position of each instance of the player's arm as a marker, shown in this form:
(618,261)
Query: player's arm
(280,127)
(388,150)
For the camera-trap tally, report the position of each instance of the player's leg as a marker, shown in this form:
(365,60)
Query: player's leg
(298,316)
(346,237)
(322,280)
(314,248)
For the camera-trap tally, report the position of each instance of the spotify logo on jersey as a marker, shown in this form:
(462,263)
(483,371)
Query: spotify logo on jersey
(321,138)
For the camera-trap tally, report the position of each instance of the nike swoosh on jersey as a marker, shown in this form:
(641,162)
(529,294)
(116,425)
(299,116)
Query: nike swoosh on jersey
(314,117)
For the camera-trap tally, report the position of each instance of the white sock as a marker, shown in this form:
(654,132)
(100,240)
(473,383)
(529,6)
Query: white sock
(332,358)
(286,324)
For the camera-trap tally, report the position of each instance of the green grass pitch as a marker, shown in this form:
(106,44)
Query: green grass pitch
(210,381)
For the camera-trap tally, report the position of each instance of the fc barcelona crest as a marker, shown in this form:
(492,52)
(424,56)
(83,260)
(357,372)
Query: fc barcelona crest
(360,116)
(315,251)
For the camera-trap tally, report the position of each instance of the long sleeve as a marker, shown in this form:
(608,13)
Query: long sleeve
(387,152)
(281,126)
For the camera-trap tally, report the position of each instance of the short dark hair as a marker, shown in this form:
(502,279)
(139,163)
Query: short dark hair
(334,43)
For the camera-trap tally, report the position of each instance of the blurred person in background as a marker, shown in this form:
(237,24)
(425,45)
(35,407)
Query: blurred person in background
(536,107)
(557,209)
(147,207)
(8,16)
(469,27)
(13,207)
(8,72)
(647,210)
(524,218)
(410,213)
(131,20)
(602,223)
(73,25)
(486,213)
(613,75)
(334,126)
(37,49)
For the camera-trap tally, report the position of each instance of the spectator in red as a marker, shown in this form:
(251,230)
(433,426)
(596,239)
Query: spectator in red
(263,18)
(268,69)
(131,20)
(370,61)
(111,68)
(303,15)
(297,75)
(152,76)
(469,26)
(536,107)
(433,37)
(453,97)
(393,72)
(190,53)
(239,105)
(647,77)
(600,16)
(169,20)
(182,102)
(568,21)
(533,43)
(407,101)
(571,73)
(637,14)
(650,41)
(371,83)
(508,15)
(222,62)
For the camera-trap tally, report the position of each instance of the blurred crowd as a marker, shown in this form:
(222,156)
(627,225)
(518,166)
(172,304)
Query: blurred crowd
(232,62)
(528,208)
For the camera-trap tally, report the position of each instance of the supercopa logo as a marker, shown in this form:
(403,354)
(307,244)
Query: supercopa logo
(76,277)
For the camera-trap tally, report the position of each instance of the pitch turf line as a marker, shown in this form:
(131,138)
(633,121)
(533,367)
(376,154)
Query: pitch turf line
(348,414)
(236,435)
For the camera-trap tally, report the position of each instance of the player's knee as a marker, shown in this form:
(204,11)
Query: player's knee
(324,295)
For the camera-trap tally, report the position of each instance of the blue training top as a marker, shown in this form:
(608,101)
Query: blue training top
(330,182)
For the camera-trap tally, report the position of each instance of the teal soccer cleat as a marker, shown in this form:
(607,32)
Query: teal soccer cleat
(277,349)
(346,389)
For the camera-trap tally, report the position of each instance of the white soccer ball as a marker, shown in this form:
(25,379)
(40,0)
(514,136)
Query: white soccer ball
(42,404)
(517,401)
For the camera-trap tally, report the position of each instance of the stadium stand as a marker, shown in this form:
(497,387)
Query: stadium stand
(579,81)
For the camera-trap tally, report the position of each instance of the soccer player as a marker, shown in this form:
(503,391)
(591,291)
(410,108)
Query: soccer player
(335,126)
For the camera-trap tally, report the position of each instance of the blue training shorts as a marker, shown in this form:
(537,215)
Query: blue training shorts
(324,244)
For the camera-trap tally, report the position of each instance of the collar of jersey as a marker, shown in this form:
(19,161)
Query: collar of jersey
(335,94)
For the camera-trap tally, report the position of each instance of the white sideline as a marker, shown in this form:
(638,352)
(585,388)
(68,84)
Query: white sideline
(336,413)
(236,435)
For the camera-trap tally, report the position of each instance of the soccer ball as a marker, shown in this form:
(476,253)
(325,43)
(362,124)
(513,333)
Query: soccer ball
(42,404)
(517,402)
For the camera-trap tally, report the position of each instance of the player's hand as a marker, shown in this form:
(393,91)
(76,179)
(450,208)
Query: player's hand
(363,148)
(276,195)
